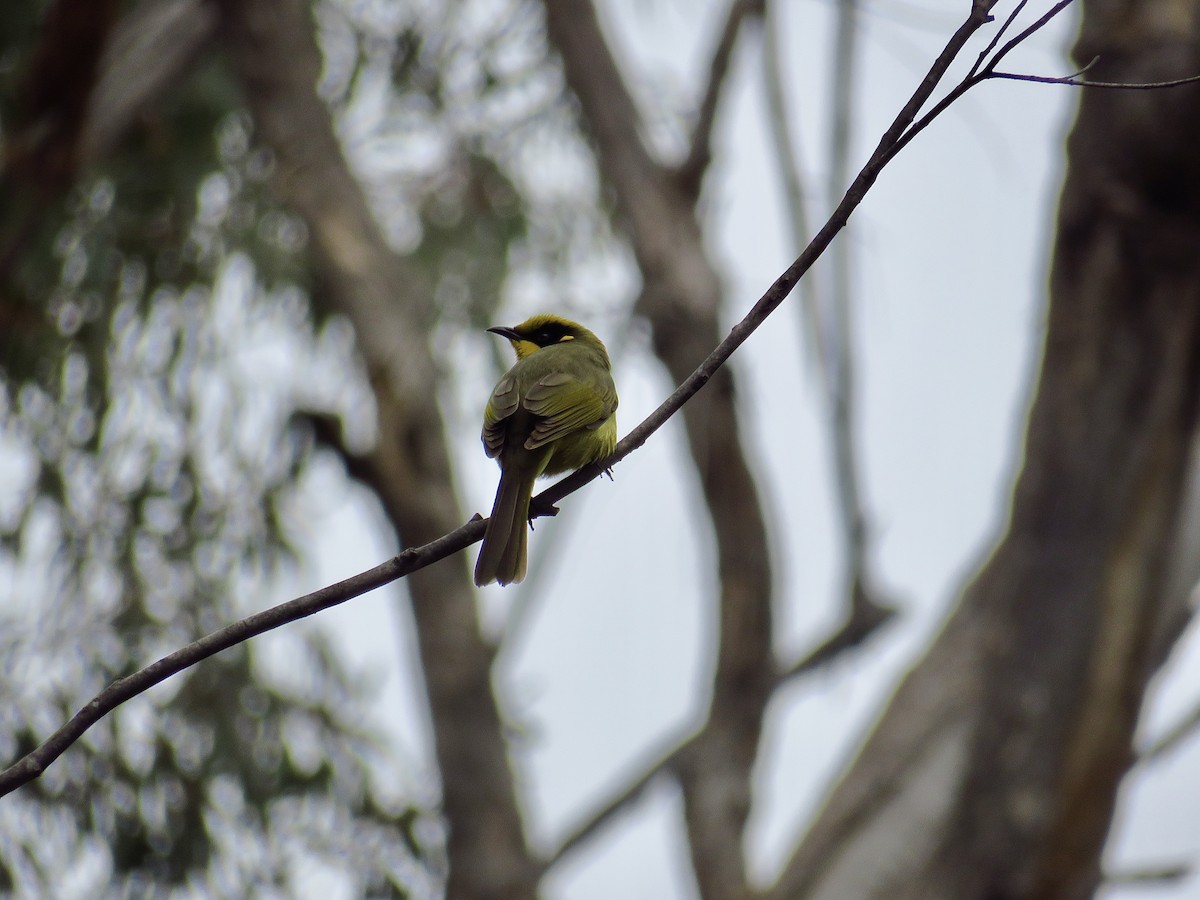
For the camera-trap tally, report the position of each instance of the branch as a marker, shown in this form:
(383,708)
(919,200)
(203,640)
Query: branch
(152,49)
(787,156)
(89,78)
(327,432)
(34,763)
(840,378)
(1076,81)
(866,617)
(996,38)
(978,73)
(1184,729)
(690,173)
(898,134)
(1150,876)
(664,762)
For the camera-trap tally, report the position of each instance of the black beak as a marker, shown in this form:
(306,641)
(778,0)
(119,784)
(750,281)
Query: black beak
(510,333)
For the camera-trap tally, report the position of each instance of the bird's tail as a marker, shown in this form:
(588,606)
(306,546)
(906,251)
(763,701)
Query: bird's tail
(503,555)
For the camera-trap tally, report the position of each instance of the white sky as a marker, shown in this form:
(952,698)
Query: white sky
(614,654)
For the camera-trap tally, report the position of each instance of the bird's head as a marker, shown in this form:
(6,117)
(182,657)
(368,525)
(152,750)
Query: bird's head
(544,331)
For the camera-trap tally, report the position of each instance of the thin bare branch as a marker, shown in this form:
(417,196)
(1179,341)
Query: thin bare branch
(844,70)
(787,157)
(865,619)
(1150,876)
(662,762)
(1076,81)
(1041,22)
(840,379)
(34,763)
(1183,730)
(996,38)
(974,77)
(690,173)
(327,432)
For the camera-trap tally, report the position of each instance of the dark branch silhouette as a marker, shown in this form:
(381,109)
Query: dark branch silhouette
(1077,81)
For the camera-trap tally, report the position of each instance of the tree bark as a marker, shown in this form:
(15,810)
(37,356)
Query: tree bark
(273,50)
(994,771)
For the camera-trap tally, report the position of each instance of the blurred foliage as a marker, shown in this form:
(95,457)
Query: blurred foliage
(158,332)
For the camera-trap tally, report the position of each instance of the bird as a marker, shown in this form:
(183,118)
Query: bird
(552,412)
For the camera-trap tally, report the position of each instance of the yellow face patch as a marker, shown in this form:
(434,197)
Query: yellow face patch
(566,337)
(525,348)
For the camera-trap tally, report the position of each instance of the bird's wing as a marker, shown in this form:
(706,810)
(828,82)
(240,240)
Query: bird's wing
(502,404)
(564,403)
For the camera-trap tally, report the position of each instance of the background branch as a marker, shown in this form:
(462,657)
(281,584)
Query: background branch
(690,174)
(1150,876)
(840,379)
(1183,730)
(1077,81)
(663,763)
(780,119)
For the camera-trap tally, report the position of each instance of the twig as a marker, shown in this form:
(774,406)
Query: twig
(1184,729)
(835,356)
(1151,876)
(787,156)
(996,38)
(899,133)
(690,173)
(662,763)
(327,432)
(1076,81)
(974,77)
(1037,25)
(840,383)
(866,617)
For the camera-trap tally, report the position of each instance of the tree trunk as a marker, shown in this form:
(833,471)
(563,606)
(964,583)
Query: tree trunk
(994,771)
(273,50)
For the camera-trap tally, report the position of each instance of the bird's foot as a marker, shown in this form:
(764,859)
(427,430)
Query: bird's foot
(538,509)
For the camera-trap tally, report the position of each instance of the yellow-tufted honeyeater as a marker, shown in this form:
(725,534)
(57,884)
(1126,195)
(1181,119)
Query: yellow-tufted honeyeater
(552,412)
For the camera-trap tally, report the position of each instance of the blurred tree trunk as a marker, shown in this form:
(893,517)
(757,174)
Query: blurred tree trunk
(272,47)
(994,771)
